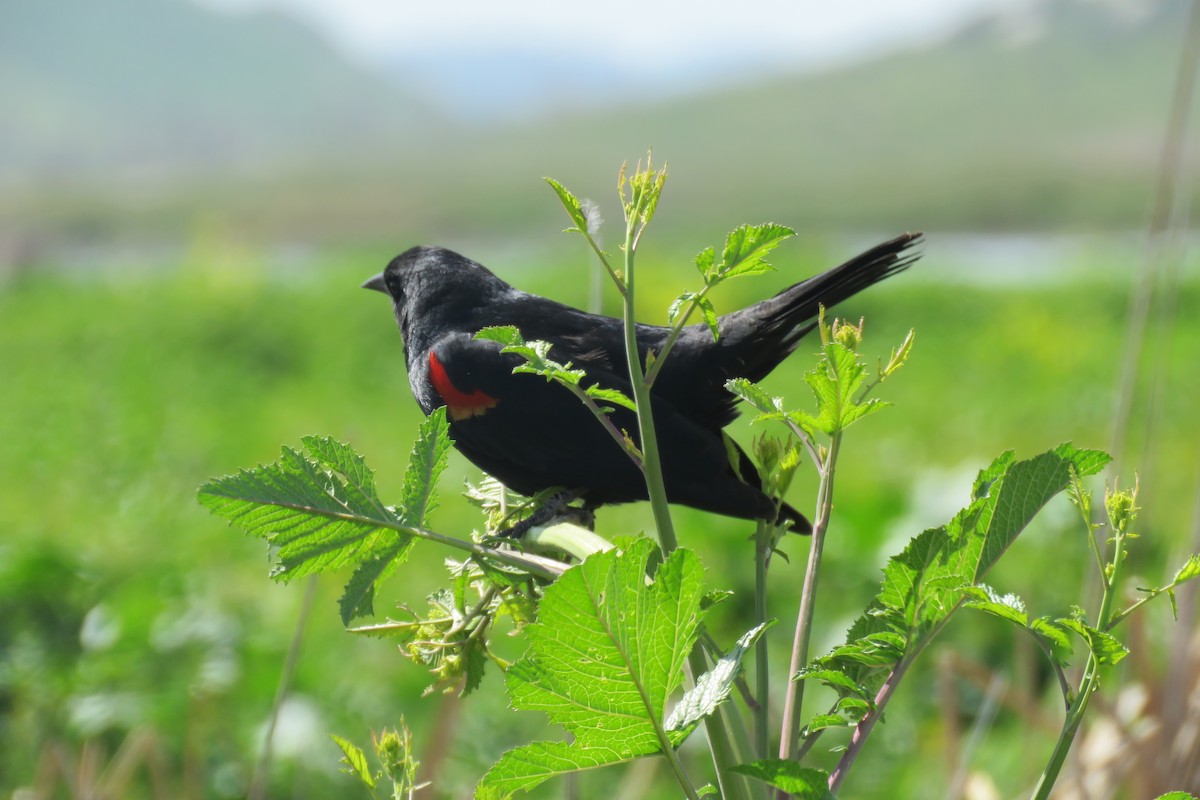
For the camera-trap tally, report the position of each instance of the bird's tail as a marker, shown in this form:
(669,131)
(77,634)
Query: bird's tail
(772,329)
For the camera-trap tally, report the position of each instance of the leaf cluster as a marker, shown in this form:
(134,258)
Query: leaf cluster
(939,571)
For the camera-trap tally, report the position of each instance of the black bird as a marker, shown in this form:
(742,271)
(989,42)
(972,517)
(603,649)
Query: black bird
(532,434)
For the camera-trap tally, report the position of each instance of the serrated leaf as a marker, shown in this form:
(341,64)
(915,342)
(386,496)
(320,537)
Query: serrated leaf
(925,583)
(678,305)
(358,596)
(426,463)
(1105,647)
(800,782)
(822,722)
(605,654)
(319,510)
(899,355)
(754,394)
(835,680)
(1056,636)
(834,383)
(571,204)
(747,246)
(985,598)
(1189,570)
(710,317)
(355,760)
(704,264)
(614,396)
(504,334)
(711,688)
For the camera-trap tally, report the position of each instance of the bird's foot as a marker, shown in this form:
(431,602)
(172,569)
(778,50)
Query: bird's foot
(556,506)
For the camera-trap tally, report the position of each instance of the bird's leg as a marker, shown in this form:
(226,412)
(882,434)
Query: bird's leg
(556,505)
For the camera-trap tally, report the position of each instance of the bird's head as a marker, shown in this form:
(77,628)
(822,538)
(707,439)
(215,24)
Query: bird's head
(434,291)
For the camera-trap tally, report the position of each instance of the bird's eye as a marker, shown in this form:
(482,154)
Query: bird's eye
(393,284)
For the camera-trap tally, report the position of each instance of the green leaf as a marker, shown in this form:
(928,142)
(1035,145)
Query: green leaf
(935,573)
(1056,636)
(822,722)
(1189,570)
(711,688)
(355,761)
(753,394)
(614,396)
(1105,647)
(678,306)
(536,354)
(1176,796)
(704,264)
(319,510)
(835,680)
(358,597)
(710,316)
(504,334)
(572,205)
(746,249)
(899,355)
(604,656)
(800,782)
(426,463)
(986,599)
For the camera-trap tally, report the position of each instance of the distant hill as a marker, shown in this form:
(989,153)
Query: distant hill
(119,86)
(1051,119)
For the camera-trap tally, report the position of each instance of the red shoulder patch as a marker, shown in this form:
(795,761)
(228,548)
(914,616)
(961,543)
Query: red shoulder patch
(459,404)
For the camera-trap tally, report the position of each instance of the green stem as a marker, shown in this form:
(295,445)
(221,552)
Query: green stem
(651,464)
(762,682)
(719,743)
(867,723)
(567,537)
(1070,727)
(794,699)
(673,336)
(606,422)
(1090,681)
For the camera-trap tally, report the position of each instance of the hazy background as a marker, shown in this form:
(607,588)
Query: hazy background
(191,193)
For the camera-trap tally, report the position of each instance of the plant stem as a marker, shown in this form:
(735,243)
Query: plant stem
(673,336)
(794,699)
(1067,736)
(762,678)
(567,537)
(652,466)
(863,729)
(1090,681)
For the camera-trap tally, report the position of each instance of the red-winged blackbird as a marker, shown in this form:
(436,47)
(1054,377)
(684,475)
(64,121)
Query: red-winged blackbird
(532,434)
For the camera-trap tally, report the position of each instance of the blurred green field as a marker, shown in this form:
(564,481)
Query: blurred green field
(126,609)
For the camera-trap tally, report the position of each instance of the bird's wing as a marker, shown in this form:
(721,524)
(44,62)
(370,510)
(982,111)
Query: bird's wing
(528,432)
(532,434)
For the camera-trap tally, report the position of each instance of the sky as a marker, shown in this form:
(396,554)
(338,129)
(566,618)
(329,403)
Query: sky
(652,33)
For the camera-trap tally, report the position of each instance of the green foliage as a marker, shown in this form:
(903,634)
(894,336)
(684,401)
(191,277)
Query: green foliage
(538,362)
(135,388)
(604,657)
(321,511)
(393,750)
(838,382)
(712,687)
(928,581)
(800,782)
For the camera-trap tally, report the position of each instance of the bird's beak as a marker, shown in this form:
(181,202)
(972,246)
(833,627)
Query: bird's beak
(377,283)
